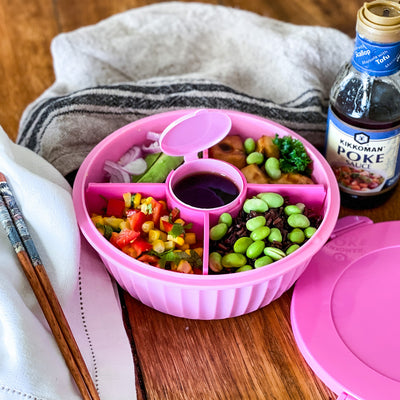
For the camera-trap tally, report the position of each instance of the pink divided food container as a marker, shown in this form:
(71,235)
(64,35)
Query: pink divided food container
(191,295)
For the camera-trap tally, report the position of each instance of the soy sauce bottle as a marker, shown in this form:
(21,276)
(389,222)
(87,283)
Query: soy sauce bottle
(363,129)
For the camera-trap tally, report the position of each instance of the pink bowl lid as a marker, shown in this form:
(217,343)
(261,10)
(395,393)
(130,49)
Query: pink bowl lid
(194,132)
(344,310)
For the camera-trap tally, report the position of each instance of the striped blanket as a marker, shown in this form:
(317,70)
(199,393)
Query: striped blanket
(181,55)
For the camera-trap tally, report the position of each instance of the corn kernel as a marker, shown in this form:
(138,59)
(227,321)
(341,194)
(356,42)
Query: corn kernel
(100,228)
(148,200)
(162,219)
(124,225)
(199,251)
(154,234)
(159,246)
(180,221)
(183,247)
(190,237)
(179,240)
(147,226)
(184,267)
(98,219)
(136,200)
(174,266)
(169,245)
(128,199)
(113,222)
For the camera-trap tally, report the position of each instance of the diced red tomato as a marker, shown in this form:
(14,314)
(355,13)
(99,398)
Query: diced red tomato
(149,259)
(128,249)
(157,209)
(113,238)
(167,226)
(136,219)
(174,213)
(141,245)
(124,238)
(115,208)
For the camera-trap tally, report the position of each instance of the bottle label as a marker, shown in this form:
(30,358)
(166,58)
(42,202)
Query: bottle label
(364,161)
(377,59)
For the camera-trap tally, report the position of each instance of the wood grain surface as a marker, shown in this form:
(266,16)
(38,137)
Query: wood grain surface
(249,357)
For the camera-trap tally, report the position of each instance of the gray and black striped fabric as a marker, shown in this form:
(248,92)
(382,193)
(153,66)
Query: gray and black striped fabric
(69,119)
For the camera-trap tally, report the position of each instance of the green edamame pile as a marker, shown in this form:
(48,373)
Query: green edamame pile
(268,228)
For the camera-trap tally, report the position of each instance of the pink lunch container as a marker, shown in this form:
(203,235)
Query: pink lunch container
(191,295)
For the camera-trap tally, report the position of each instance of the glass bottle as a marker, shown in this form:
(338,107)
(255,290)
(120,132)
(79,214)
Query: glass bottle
(363,129)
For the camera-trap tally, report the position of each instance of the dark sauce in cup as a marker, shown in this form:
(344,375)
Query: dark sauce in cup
(206,190)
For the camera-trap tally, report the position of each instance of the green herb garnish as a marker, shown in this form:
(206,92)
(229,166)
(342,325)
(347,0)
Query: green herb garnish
(293,155)
(178,229)
(175,256)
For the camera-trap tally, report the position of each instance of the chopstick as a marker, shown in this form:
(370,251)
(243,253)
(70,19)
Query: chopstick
(19,236)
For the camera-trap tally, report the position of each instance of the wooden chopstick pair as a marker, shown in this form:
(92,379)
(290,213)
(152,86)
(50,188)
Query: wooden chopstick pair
(18,234)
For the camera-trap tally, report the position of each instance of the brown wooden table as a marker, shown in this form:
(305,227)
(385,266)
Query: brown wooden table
(250,357)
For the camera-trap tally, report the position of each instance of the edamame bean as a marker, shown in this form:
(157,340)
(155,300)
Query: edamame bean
(255,204)
(217,232)
(272,168)
(246,267)
(241,245)
(255,249)
(255,222)
(275,235)
(265,260)
(233,260)
(292,209)
(292,248)
(274,253)
(255,158)
(260,233)
(215,261)
(249,145)
(309,231)
(296,236)
(225,218)
(298,221)
(274,200)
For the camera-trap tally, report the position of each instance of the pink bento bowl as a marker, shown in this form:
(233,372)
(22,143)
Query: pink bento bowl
(191,295)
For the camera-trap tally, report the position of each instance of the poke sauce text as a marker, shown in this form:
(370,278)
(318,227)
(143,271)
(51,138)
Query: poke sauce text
(145,229)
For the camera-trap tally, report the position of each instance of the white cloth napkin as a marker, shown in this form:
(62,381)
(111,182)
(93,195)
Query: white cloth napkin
(181,55)
(31,365)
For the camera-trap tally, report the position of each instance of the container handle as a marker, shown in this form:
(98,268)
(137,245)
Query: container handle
(348,223)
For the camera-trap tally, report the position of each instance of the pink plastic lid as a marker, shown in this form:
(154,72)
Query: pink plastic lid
(194,132)
(345,310)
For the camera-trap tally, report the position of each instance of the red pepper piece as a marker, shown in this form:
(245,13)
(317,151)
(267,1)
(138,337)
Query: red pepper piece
(115,208)
(149,259)
(174,213)
(156,210)
(125,237)
(167,226)
(141,246)
(136,219)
